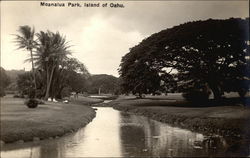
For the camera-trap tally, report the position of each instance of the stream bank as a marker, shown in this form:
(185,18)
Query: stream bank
(116,134)
(228,121)
(47,121)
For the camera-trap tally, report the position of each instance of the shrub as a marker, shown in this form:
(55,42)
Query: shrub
(65,92)
(196,96)
(32,103)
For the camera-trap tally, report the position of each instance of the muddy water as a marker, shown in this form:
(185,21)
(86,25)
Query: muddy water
(116,134)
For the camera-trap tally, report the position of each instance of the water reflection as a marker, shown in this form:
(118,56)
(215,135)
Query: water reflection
(156,139)
(117,134)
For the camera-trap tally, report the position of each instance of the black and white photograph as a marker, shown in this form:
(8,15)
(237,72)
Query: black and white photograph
(135,78)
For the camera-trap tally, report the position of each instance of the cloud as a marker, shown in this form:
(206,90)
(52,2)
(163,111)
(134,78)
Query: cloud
(101,36)
(103,45)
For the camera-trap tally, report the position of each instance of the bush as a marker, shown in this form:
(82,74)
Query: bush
(32,103)
(65,92)
(196,96)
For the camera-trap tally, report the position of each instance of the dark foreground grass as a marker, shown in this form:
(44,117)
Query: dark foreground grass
(19,123)
(222,118)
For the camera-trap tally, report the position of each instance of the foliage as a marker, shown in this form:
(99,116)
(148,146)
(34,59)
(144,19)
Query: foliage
(32,103)
(62,83)
(212,52)
(102,83)
(51,51)
(4,81)
(66,92)
(138,77)
(2,92)
(53,70)
(13,74)
(26,41)
(24,83)
(72,74)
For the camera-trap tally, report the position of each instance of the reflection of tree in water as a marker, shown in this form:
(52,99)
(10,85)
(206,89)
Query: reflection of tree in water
(219,146)
(51,149)
(143,136)
(132,137)
(61,147)
(158,139)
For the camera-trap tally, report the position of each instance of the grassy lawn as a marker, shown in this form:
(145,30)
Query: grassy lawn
(47,120)
(85,100)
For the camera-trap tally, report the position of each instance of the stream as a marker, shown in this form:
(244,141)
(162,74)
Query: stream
(116,134)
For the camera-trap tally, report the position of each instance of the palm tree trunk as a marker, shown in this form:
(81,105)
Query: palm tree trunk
(49,83)
(33,71)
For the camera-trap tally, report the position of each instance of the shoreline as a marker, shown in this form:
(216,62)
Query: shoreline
(48,121)
(206,120)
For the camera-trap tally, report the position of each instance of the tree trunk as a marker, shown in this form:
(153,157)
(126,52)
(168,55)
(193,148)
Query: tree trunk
(33,71)
(242,92)
(140,95)
(49,83)
(99,91)
(59,94)
(216,91)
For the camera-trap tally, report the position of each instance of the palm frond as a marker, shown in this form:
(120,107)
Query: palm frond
(25,39)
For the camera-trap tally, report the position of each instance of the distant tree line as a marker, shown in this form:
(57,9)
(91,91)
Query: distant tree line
(21,80)
(4,81)
(102,84)
(200,56)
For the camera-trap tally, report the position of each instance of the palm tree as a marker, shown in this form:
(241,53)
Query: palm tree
(51,51)
(26,41)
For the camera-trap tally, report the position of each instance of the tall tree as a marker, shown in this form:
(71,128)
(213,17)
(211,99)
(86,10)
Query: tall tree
(71,74)
(26,41)
(51,51)
(211,52)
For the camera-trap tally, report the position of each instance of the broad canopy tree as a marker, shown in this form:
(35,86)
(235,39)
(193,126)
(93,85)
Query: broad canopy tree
(211,53)
(71,74)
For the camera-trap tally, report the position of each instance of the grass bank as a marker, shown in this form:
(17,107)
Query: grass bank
(19,123)
(227,120)
(82,100)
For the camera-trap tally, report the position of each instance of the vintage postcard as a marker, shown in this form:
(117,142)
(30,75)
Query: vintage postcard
(133,78)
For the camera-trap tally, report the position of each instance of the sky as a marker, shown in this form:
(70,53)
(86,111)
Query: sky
(101,36)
